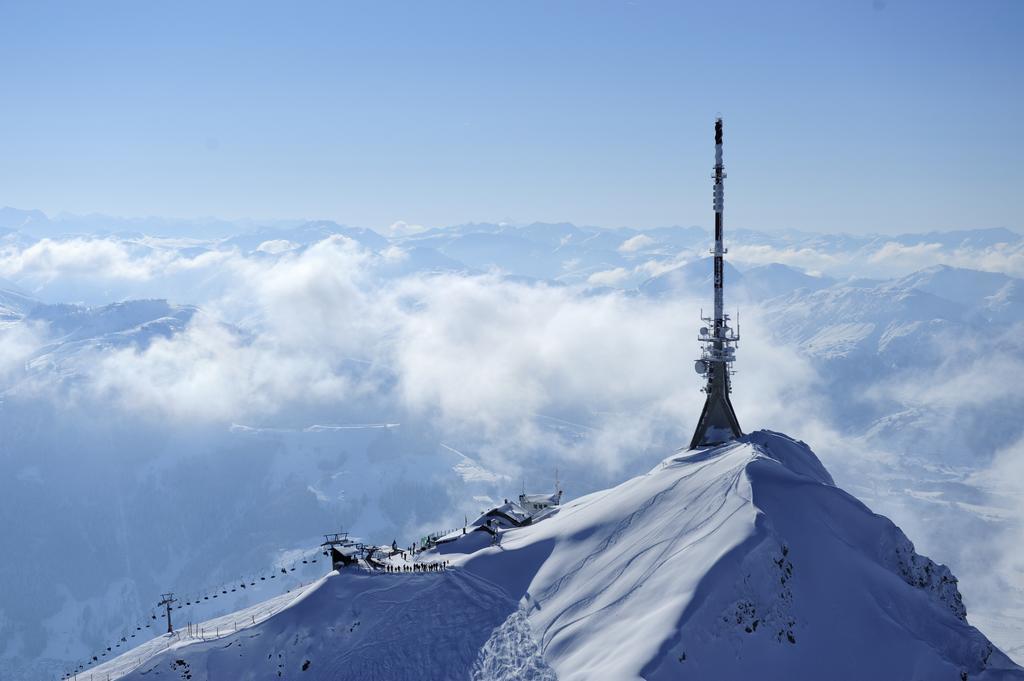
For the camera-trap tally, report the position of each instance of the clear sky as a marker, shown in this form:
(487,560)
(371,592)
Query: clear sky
(852,115)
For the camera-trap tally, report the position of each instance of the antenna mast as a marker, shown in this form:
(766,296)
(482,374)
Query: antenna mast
(718,421)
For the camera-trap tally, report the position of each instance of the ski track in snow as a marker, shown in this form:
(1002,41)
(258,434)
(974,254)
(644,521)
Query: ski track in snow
(654,564)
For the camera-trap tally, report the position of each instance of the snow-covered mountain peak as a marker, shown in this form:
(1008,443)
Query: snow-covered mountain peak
(964,286)
(735,562)
(795,455)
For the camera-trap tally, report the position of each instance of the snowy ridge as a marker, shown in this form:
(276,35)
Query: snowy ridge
(741,561)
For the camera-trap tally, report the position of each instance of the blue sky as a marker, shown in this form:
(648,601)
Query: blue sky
(841,115)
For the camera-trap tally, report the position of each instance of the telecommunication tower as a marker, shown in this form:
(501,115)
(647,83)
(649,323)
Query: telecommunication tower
(717,422)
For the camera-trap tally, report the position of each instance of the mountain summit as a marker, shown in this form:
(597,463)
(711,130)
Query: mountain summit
(735,562)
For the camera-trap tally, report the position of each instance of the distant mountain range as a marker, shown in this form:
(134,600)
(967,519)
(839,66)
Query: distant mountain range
(899,341)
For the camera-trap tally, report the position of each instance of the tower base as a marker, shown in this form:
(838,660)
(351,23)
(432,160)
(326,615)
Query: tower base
(717,423)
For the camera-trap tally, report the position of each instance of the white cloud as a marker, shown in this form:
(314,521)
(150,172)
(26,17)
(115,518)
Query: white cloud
(612,277)
(104,269)
(890,259)
(652,268)
(275,246)
(479,356)
(804,258)
(394,255)
(48,259)
(209,373)
(636,243)
(18,342)
(1005,258)
(403,228)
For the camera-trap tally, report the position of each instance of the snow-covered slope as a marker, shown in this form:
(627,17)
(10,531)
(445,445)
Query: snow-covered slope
(848,321)
(963,286)
(743,561)
(14,303)
(776,279)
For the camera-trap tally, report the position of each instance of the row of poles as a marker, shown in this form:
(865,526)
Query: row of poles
(169,602)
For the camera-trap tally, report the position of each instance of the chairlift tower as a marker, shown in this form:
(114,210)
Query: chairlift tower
(717,423)
(166,600)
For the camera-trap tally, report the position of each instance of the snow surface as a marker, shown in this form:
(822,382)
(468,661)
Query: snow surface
(737,562)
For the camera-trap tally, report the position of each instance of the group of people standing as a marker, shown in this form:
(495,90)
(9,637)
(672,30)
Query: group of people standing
(418,567)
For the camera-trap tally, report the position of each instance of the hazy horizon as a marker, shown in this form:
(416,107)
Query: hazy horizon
(389,229)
